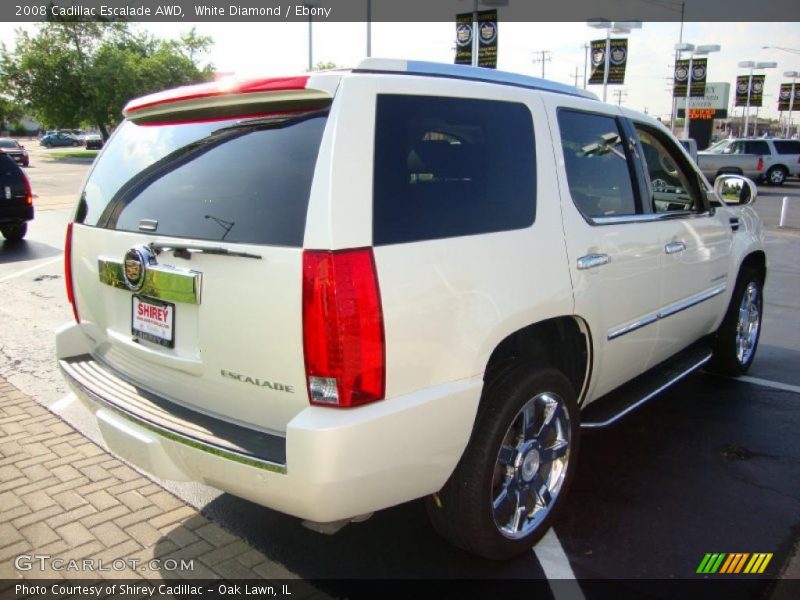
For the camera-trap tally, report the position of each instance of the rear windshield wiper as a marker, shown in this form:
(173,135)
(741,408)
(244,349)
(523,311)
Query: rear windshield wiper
(186,251)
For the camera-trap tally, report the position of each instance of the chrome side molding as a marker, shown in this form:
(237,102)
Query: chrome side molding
(665,312)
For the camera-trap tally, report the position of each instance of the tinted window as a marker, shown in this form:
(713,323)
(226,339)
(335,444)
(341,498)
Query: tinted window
(237,181)
(756,148)
(597,164)
(672,184)
(787,147)
(448,167)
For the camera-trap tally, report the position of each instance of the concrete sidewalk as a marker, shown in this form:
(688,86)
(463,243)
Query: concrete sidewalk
(62,495)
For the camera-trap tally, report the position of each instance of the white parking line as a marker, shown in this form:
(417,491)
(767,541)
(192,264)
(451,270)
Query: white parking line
(767,383)
(55,259)
(63,403)
(555,565)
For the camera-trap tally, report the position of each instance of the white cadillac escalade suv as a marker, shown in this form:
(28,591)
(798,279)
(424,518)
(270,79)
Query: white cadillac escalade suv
(334,293)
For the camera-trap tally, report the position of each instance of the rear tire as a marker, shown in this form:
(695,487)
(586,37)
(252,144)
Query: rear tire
(737,337)
(509,484)
(16,232)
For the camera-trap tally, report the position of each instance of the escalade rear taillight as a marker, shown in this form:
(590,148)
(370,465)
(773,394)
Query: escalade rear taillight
(68,272)
(28,190)
(343,337)
(760,166)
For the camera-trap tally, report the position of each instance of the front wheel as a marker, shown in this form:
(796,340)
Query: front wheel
(503,495)
(737,338)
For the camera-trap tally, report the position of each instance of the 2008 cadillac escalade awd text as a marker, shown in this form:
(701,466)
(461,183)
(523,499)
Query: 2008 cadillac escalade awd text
(334,293)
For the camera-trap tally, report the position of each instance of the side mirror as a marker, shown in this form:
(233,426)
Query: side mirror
(735,190)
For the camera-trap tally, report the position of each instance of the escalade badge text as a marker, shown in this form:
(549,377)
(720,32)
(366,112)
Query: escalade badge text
(273,385)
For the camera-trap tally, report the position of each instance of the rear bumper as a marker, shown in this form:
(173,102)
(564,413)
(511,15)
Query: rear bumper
(332,464)
(15,214)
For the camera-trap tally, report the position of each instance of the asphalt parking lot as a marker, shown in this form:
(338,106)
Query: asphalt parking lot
(711,465)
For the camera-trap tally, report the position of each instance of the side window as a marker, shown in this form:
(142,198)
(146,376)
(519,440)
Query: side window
(734,148)
(756,148)
(447,167)
(672,184)
(597,165)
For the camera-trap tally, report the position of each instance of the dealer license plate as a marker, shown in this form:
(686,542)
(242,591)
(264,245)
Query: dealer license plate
(154,321)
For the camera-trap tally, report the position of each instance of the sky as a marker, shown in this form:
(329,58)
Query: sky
(282,48)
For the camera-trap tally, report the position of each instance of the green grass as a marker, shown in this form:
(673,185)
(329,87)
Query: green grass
(75,154)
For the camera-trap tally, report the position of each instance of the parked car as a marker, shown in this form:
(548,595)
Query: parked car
(409,280)
(93,142)
(78,134)
(16,202)
(769,159)
(15,150)
(59,139)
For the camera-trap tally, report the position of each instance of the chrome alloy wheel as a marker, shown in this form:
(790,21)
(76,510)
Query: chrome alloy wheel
(531,465)
(749,323)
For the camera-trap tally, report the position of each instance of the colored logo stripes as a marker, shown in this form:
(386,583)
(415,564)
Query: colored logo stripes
(734,563)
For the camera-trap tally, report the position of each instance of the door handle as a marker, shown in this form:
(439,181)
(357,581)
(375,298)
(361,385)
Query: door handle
(592,260)
(675,247)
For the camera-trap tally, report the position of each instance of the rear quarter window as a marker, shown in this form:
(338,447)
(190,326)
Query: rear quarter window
(234,181)
(787,147)
(447,167)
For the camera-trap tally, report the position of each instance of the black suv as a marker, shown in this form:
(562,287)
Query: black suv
(16,200)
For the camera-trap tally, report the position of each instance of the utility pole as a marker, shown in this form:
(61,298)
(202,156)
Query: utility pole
(545,58)
(620,94)
(576,76)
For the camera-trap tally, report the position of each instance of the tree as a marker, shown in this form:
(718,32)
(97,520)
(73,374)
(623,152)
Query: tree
(10,111)
(70,73)
(324,66)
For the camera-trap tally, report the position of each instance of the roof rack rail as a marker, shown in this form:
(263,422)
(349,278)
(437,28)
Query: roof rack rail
(432,69)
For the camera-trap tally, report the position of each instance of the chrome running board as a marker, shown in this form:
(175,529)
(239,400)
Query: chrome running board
(613,406)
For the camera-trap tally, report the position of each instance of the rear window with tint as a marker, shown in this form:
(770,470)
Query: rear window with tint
(447,167)
(787,147)
(234,181)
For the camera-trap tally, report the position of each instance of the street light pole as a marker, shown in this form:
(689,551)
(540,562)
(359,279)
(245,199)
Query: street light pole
(611,27)
(793,75)
(693,50)
(605,63)
(585,63)
(749,64)
(369,28)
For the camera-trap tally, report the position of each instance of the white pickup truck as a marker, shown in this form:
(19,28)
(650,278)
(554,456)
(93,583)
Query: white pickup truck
(337,292)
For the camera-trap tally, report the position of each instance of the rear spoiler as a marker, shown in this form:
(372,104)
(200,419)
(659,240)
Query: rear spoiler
(231,98)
